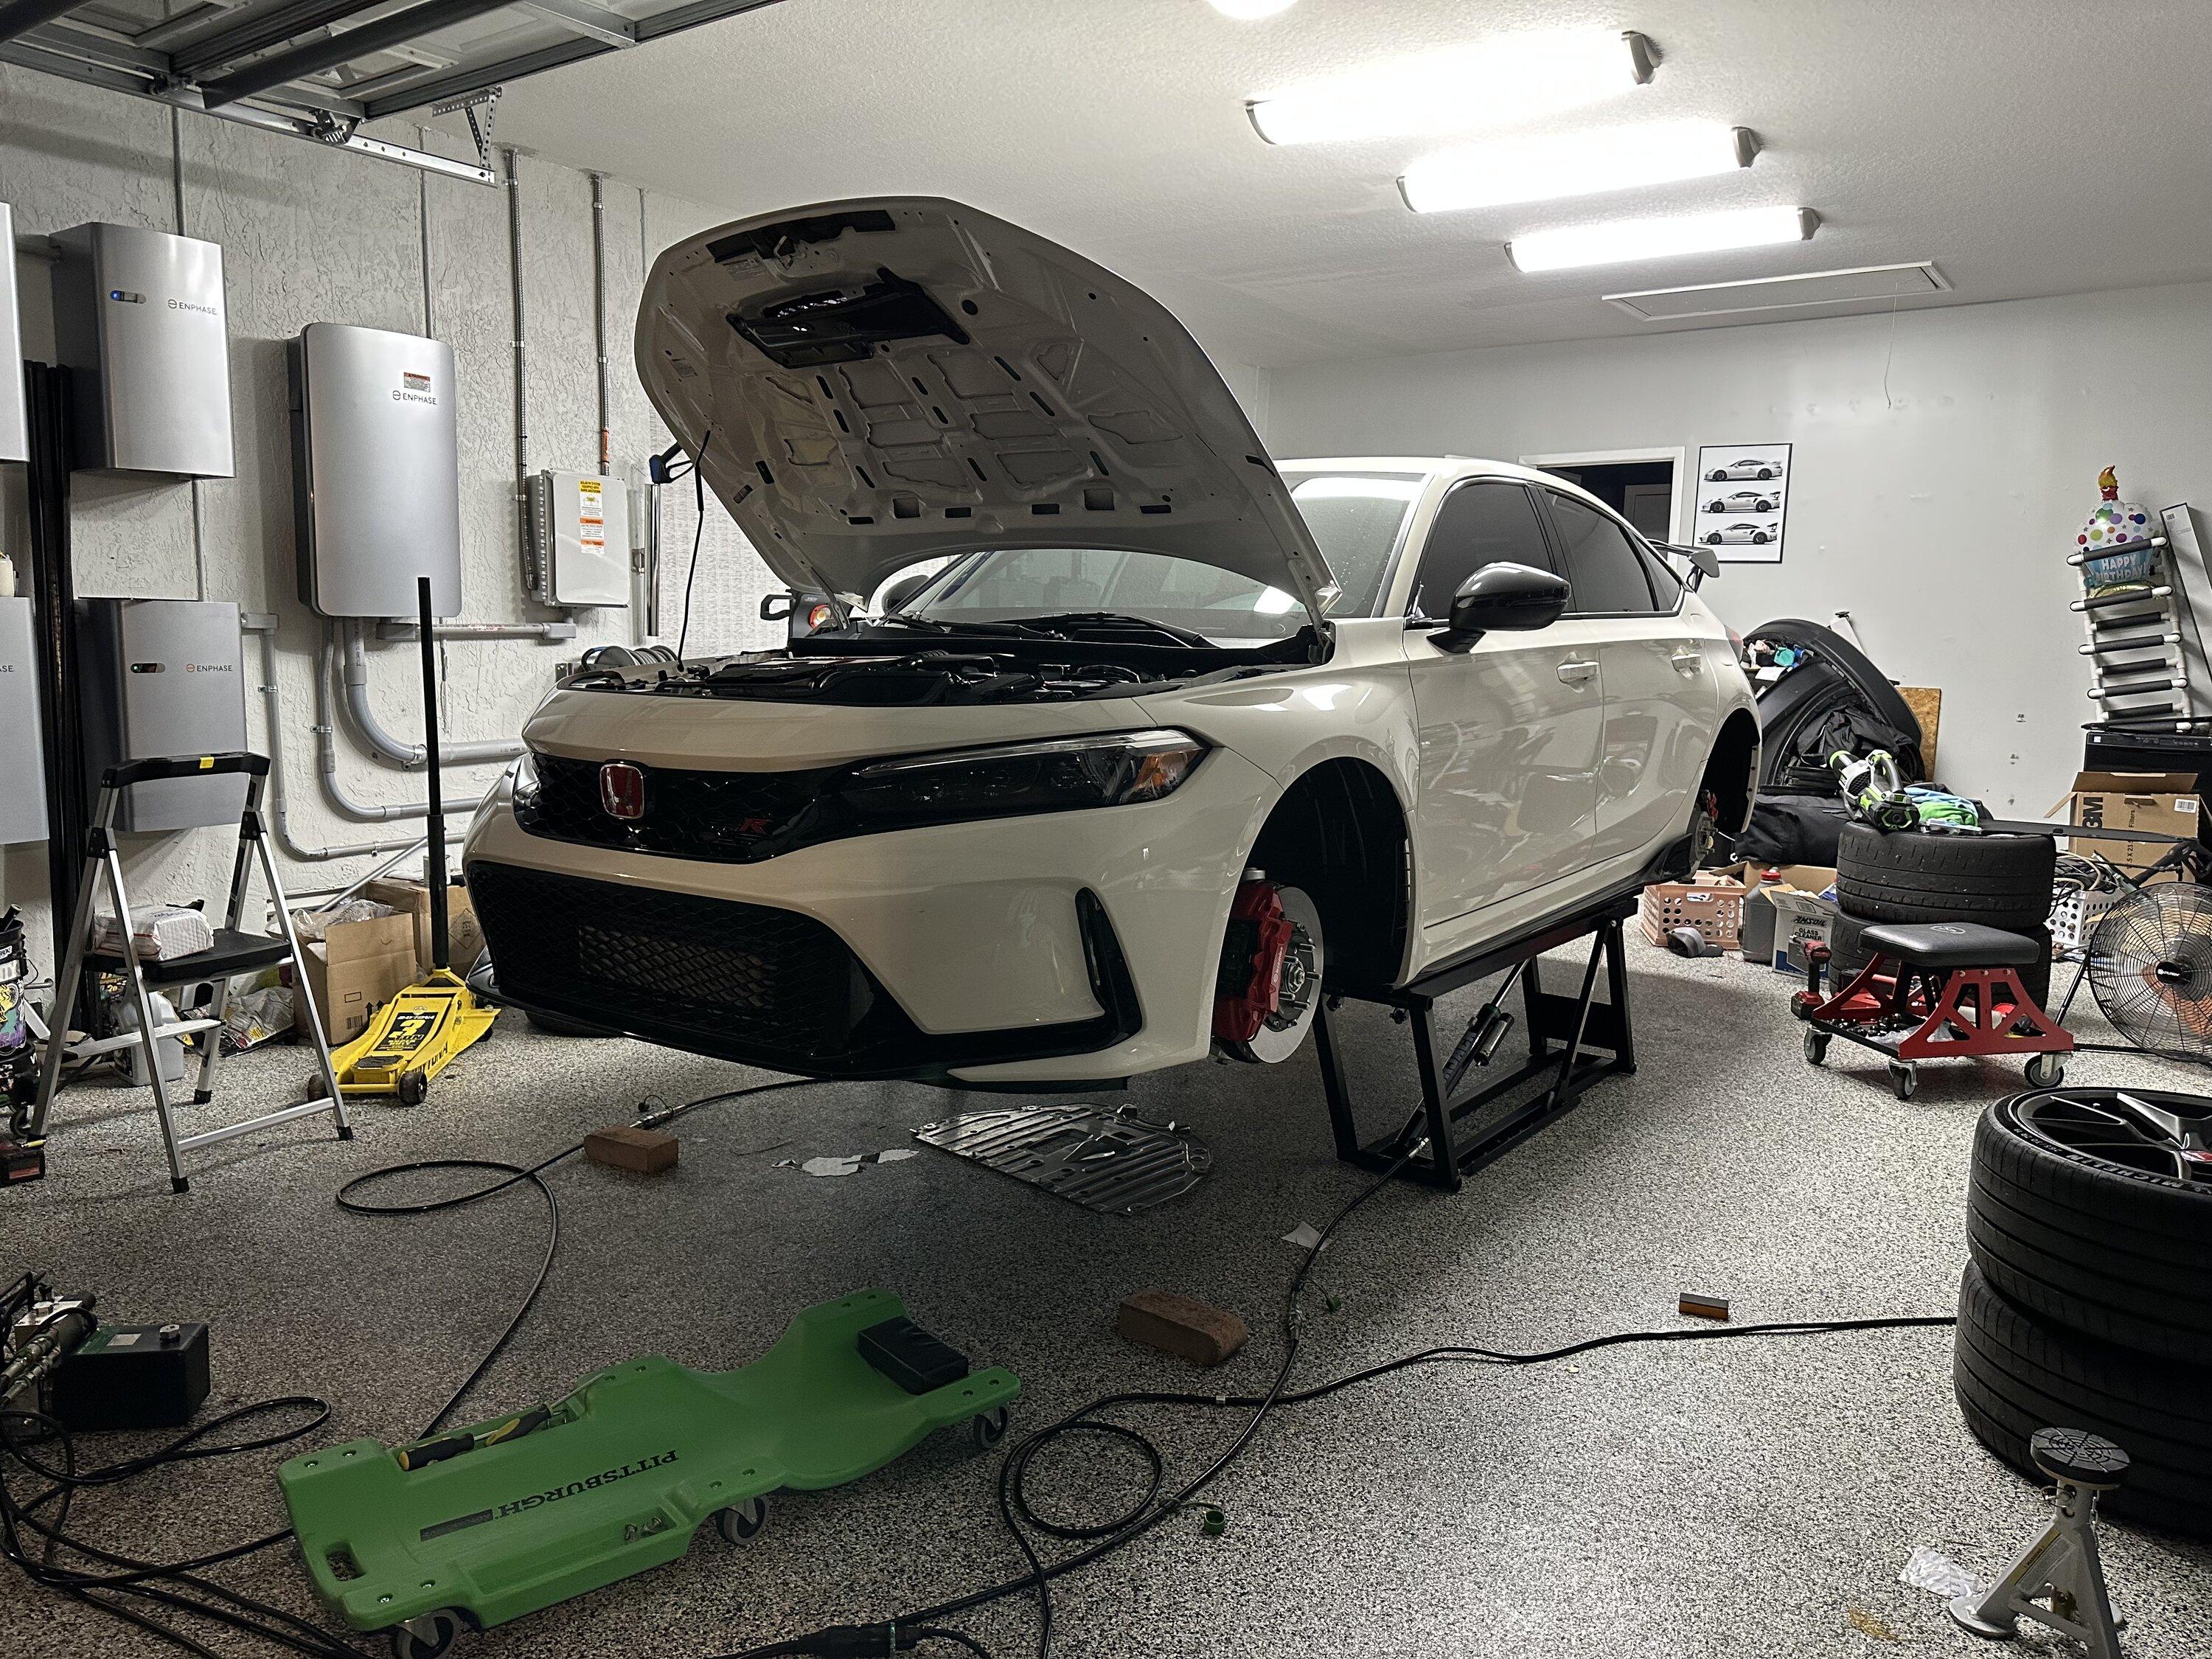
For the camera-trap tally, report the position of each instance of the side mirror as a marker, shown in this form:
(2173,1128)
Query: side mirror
(904,589)
(1509,597)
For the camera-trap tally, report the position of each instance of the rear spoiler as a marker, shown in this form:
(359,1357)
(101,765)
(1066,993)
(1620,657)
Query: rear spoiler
(1704,564)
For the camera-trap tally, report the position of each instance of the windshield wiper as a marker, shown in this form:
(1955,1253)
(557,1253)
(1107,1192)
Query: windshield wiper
(1096,619)
(938,625)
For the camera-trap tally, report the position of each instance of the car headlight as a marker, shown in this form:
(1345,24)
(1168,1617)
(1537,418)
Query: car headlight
(1059,776)
(523,780)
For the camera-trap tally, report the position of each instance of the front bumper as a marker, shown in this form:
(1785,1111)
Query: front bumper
(1057,949)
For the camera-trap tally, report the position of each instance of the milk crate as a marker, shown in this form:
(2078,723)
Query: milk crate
(1712,904)
(2075,914)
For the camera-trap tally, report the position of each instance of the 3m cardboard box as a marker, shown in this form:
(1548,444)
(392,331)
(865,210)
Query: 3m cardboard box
(357,968)
(2162,802)
(464,937)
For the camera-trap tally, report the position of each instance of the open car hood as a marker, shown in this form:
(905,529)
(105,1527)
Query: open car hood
(866,384)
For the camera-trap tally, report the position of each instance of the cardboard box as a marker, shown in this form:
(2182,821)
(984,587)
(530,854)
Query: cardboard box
(464,937)
(357,967)
(1760,919)
(1801,920)
(2162,802)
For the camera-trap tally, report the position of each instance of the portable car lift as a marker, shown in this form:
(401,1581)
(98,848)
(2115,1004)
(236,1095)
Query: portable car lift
(1562,1032)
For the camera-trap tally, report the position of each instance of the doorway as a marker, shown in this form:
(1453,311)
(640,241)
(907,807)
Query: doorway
(1643,485)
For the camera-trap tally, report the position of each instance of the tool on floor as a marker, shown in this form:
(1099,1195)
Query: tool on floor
(481,1525)
(233,952)
(1935,990)
(418,1033)
(57,1357)
(2062,1566)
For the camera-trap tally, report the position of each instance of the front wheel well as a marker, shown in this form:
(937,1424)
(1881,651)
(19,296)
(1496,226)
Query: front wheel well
(1339,833)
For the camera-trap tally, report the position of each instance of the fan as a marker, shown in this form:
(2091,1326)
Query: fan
(2150,970)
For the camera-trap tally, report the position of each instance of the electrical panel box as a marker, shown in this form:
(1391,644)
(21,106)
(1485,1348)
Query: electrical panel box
(582,544)
(139,322)
(23,802)
(163,677)
(376,458)
(15,425)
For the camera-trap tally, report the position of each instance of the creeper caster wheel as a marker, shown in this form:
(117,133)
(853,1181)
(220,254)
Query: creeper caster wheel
(1816,1047)
(1904,1077)
(429,1636)
(741,1521)
(988,1428)
(2046,1072)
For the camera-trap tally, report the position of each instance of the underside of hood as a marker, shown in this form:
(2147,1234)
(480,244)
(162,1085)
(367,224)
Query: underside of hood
(868,384)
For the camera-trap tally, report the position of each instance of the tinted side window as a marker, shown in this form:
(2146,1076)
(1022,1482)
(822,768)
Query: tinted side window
(1603,567)
(1665,585)
(1477,524)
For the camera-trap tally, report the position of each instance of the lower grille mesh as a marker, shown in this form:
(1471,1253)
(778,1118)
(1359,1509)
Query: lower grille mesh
(659,961)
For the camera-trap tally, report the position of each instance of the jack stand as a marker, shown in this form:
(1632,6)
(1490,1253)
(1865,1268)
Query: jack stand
(2062,1564)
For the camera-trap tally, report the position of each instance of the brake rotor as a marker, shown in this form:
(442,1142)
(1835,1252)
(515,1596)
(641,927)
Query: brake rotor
(1269,987)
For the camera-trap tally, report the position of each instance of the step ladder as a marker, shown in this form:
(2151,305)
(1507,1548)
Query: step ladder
(234,952)
(2140,636)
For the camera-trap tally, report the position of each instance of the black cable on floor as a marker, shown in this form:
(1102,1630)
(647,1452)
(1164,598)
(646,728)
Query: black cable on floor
(1016,1511)
(176,1585)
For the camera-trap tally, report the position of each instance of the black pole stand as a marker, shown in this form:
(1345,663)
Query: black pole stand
(1562,1032)
(53,604)
(435,854)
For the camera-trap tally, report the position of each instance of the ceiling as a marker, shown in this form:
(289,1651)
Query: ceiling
(2028,147)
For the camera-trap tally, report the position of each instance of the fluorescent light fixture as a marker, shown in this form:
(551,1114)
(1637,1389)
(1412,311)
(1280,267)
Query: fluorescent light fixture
(1625,240)
(1489,83)
(1246,11)
(1503,170)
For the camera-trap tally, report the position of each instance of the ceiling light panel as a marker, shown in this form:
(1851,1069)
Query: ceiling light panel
(1499,171)
(1488,84)
(1623,240)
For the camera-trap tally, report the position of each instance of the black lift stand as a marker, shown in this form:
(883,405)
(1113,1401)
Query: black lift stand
(1563,1031)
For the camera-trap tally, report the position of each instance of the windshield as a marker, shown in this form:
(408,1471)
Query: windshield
(1356,519)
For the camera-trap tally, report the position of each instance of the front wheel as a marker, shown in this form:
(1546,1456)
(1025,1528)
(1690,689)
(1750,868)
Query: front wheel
(1268,989)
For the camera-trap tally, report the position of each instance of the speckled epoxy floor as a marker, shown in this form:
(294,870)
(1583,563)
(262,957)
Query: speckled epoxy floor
(1748,1498)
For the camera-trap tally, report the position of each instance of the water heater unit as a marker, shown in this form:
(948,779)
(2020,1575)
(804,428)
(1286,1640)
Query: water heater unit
(139,322)
(376,456)
(162,677)
(15,426)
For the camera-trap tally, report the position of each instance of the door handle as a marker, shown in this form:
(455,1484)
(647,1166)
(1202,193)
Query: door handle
(1574,673)
(1688,661)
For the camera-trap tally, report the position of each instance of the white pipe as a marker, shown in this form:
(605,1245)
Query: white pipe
(273,716)
(379,742)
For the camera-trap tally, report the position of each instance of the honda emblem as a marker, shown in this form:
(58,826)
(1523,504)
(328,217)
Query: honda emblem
(621,791)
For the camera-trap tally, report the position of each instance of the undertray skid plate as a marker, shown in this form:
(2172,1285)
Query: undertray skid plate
(1113,1162)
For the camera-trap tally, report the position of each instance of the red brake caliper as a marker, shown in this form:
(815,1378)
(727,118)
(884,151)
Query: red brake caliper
(1258,934)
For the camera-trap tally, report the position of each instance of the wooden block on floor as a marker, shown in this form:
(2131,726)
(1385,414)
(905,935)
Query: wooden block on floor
(625,1146)
(1181,1325)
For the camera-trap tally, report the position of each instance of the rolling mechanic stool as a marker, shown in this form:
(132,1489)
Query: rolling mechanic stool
(1935,990)
(2061,1563)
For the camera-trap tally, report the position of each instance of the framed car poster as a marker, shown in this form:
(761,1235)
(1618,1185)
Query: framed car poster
(1742,501)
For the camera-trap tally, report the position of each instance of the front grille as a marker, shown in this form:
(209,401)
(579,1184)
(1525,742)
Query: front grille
(729,817)
(709,973)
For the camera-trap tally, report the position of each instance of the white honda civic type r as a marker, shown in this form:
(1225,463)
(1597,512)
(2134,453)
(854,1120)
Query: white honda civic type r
(1163,735)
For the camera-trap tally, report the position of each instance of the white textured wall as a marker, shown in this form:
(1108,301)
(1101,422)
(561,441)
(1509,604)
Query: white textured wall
(312,234)
(1944,459)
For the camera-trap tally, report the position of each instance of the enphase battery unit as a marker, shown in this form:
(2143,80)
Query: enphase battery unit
(15,425)
(139,322)
(160,678)
(376,458)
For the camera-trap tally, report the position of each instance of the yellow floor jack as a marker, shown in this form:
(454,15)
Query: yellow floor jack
(418,1033)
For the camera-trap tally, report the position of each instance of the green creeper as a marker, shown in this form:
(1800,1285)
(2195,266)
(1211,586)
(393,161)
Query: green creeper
(518,1512)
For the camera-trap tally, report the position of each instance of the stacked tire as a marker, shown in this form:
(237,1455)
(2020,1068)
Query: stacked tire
(2088,1300)
(1908,876)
